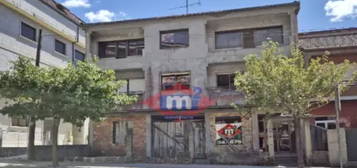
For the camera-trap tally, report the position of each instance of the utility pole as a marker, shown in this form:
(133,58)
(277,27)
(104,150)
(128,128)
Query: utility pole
(186,7)
(38,52)
(338,111)
(32,121)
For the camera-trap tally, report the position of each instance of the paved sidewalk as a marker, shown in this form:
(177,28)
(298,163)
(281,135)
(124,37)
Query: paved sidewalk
(30,164)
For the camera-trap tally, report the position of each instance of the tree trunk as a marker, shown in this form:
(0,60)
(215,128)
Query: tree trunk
(299,146)
(31,140)
(54,139)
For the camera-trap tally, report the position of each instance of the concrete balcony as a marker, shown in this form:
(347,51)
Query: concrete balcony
(225,97)
(131,62)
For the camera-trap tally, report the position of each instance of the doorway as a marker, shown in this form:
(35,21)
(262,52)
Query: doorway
(284,135)
(178,140)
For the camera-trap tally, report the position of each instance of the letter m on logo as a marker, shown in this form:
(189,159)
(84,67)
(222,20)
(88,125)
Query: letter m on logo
(176,102)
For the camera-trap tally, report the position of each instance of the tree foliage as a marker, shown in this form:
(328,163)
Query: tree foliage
(274,82)
(71,93)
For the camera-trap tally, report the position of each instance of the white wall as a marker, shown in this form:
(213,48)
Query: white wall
(12,45)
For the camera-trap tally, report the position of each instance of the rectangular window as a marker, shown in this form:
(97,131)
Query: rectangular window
(326,122)
(133,87)
(231,39)
(249,38)
(135,47)
(122,131)
(28,31)
(19,122)
(175,81)
(274,34)
(226,81)
(79,56)
(121,49)
(174,39)
(60,47)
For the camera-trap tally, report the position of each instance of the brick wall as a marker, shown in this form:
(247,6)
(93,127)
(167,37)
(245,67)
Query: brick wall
(103,137)
(348,113)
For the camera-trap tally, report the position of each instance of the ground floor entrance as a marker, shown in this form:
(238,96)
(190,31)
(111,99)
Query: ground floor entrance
(284,135)
(177,138)
(283,139)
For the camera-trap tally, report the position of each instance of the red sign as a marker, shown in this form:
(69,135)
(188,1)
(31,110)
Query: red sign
(229,131)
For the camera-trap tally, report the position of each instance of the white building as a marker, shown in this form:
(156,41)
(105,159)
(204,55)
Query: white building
(63,41)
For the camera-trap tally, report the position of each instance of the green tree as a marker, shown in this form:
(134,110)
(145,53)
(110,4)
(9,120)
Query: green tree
(71,94)
(19,87)
(277,83)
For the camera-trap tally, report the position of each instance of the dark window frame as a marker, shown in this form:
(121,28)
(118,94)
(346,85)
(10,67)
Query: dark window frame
(102,46)
(23,34)
(114,125)
(75,55)
(62,43)
(176,74)
(247,34)
(128,91)
(174,31)
(230,86)
(226,32)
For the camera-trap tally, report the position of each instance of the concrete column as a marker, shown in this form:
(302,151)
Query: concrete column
(88,45)
(255,132)
(148,121)
(308,143)
(80,134)
(209,145)
(270,138)
(294,28)
(334,147)
(91,134)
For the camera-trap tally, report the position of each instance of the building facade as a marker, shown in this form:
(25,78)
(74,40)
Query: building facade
(338,45)
(63,41)
(182,69)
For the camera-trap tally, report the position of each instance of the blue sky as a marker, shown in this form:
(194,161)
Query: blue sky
(314,14)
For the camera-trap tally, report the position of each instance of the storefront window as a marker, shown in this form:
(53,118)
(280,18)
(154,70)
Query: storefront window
(228,131)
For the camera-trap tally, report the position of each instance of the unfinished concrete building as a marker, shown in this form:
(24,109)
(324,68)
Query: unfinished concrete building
(182,69)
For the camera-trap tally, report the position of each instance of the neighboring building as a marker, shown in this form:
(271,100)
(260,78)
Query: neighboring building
(165,59)
(338,45)
(63,40)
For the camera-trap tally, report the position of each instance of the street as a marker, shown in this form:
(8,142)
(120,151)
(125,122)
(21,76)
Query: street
(29,164)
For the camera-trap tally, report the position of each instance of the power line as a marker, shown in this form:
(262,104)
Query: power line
(188,5)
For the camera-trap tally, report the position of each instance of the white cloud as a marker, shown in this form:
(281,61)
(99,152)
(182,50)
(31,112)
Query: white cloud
(122,16)
(76,3)
(341,9)
(105,16)
(100,16)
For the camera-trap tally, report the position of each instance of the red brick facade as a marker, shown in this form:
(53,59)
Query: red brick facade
(103,137)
